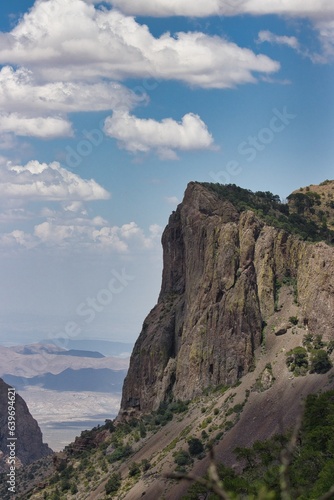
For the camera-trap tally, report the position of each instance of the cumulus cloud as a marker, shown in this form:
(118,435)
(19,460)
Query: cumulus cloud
(44,128)
(42,181)
(143,135)
(268,36)
(320,12)
(21,93)
(108,44)
(17,239)
(27,105)
(204,8)
(84,233)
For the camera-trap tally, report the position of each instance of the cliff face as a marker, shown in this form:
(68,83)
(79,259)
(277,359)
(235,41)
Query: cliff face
(221,275)
(29,442)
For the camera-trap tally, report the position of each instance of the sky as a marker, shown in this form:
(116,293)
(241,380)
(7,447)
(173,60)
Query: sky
(108,110)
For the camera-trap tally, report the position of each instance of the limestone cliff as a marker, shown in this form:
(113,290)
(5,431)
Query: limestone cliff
(222,270)
(29,442)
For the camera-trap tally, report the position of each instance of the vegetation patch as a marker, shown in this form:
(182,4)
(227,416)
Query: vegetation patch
(310,469)
(293,217)
(312,358)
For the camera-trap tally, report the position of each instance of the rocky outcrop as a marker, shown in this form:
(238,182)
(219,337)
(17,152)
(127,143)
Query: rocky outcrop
(29,444)
(222,271)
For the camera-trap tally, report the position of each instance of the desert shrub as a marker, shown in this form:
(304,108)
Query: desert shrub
(195,446)
(318,342)
(297,361)
(178,406)
(74,489)
(145,465)
(134,469)
(113,484)
(320,362)
(182,458)
(120,453)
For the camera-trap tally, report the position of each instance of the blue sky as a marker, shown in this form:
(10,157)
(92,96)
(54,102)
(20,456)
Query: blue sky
(108,110)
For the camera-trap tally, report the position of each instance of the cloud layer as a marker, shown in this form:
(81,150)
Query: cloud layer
(268,36)
(65,224)
(109,44)
(204,8)
(320,12)
(143,135)
(41,181)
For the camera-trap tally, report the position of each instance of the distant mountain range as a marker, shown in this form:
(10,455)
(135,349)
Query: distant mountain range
(106,347)
(52,349)
(51,367)
(85,379)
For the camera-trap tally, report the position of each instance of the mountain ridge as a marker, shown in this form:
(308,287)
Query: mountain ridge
(223,268)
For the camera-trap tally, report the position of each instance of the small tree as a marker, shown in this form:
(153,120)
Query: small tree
(320,362)
(182,458)
(297,361)
(134,469)
(195,446)
(113,483)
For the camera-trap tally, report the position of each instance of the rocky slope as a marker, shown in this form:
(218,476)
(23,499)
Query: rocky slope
(222,272)
(29,444)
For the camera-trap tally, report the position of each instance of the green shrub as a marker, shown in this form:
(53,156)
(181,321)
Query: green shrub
(113,483)
(195,446)
(134,469)
(294,320)
(320,362)
(120,453)
(297,361)
(182,458)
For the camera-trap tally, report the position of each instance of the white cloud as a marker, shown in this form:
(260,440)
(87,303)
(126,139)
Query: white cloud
(326,36)
(17,238)
(44,128)
(93,235)
(204,8)
(87,233)
(268,36)
(20,92)
(108,44)
(41,181)
(320,12)
(143,135)
(28,108)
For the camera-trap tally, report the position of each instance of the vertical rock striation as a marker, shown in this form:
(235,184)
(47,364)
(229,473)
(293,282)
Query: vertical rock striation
(220,273)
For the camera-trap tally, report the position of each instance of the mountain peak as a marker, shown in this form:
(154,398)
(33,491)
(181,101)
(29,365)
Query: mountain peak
(226,252)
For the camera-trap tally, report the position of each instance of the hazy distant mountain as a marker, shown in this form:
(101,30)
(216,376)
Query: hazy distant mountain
(38,359)
(106,347)
(85,379)
(54,349)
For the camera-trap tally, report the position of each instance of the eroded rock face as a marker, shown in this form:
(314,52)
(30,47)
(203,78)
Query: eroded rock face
(219,283)
(29,444)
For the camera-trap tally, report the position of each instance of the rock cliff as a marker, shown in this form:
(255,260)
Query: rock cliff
(223,268)
(29,444)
